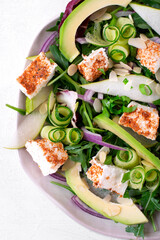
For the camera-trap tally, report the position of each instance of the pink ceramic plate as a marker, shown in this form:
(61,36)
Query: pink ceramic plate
(62,197)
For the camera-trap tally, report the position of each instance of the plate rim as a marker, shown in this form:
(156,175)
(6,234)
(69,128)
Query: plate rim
(60,206)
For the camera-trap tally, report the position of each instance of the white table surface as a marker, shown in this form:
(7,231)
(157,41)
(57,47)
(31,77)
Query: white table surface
(25,213)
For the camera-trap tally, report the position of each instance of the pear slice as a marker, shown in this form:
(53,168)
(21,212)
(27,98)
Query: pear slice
(28,129)
(120,88)
(150,15)
(33,103)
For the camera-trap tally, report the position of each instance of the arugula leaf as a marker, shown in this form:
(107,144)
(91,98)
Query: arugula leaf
(63,186)
(19,110)
(126,177)
(138,230)
(58,57)
(108,160)
(157,102)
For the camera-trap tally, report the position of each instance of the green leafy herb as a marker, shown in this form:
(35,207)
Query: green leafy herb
(102,71)
(129,109)
(21,111)
(63,186)
(157,102)
(145,89)
(59,58)
(125,81)
(138,230)
(108,160)
(126,177)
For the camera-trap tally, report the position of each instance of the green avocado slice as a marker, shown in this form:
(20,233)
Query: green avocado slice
(104,122)
(126,214)
(74,20)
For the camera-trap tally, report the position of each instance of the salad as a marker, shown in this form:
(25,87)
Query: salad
(93,106)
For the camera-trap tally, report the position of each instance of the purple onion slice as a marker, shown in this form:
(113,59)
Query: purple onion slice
(85,208)
(97,138)
(49,42)
(58,177)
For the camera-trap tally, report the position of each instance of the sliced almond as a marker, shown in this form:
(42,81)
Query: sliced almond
(113,210)
(97,105)
(121,71)
(102,156)
(98,14)
(157,74)
(110,65)
(143,37)
(105,17)
(113,76)
(130,64)
(137,69)
(124,201)
(125,66)
(137,42)
(158,88)
(72,69)
(117,65)
(43,108)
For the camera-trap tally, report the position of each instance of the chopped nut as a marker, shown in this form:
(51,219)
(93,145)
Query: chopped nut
(113,76)
(72,69)
(137,42)
(102,156)
(137,69)
(97,105)
(113,210)
(125,66)
(143,37)
(98,14)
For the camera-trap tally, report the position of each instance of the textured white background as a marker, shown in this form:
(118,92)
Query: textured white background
(25,213)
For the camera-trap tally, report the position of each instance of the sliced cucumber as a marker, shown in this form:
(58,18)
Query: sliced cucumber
(137,177)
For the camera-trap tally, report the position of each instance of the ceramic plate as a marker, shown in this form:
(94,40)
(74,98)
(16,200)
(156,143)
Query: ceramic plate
(62,197)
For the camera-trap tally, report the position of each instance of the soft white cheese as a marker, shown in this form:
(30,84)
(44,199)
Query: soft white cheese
(107,177)
(48,155)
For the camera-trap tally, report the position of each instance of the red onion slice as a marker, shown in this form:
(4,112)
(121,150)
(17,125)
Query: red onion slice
(81,40)
(81,97)
(88,95)
(85,208)
(58,177)
(100,96)
(97,138)
(123,13)
(48,42)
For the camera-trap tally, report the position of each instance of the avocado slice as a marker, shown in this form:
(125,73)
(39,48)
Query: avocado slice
(74,20)
(126,214)
(33,103)
(150,15)
(104,122)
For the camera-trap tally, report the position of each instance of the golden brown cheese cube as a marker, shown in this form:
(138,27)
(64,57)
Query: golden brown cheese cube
(144,120)
(150,56)
(89,66)
(36,75)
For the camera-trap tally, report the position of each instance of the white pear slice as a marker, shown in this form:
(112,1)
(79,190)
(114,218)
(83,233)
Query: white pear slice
(28,129)
(150,15)
(42,96)
(131,89)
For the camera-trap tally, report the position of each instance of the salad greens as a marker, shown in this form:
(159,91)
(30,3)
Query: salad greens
(112,34)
